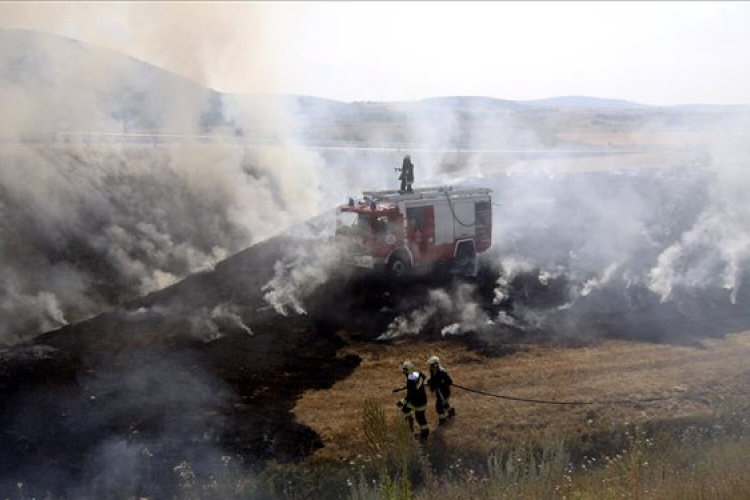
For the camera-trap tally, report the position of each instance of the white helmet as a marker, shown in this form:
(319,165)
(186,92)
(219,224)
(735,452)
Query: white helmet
(407,367)
(434,360)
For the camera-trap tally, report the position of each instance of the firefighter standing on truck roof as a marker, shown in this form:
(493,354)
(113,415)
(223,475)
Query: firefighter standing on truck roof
(407,175)
(414,404)
(440,384)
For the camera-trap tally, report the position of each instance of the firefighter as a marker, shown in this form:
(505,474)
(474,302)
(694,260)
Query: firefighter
(440,384)
(407,175)
(414,404)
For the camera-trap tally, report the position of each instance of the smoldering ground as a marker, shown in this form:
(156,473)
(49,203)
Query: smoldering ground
(121,429)
(184,388)
(656,252)
(90,223)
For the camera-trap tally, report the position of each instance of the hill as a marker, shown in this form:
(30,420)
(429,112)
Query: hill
(194,371)
(167,313)
(104,91)
(207,369)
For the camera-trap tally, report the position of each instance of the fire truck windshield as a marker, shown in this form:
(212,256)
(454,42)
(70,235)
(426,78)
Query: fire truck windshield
(357,221)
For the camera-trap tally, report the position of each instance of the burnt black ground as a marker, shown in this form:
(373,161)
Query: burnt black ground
(136,386)
(125,397)
(117,403)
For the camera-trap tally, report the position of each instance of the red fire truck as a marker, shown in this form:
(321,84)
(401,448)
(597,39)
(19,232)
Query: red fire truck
(401,232)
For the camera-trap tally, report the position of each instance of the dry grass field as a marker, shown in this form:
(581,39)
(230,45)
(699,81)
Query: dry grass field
(696,382)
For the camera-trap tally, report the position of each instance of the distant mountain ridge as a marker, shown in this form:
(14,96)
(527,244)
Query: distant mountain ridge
(584,102)
(471,102)
(26,55)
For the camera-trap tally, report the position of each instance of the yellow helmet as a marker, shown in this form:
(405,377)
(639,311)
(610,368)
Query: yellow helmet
(434,360)
(407,367)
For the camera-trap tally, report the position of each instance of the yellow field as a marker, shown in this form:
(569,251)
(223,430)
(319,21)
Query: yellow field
(697,382)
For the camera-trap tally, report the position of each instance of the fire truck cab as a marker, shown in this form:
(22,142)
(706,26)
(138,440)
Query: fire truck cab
(400,232)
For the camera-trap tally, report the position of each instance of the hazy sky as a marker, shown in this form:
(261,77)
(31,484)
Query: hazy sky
(660,53)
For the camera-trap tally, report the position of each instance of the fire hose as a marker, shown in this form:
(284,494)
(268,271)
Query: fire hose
(554,402)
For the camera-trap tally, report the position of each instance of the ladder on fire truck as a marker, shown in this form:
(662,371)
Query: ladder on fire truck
(427,193)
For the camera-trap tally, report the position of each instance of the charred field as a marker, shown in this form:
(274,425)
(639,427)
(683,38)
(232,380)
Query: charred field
(212,369)
(167,316)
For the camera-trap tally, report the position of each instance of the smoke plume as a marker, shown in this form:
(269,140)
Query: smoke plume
(715,250)
(119,179)
(138,178)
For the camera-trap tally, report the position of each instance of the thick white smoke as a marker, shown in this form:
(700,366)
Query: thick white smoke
(574,229)
(118,179)
(450,312)
(604,241)
(596,234)
(299,272)
(715,251)
(137,178)
(208,325)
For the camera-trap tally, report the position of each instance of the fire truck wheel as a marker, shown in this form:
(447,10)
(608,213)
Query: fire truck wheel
(397,267)
(466,260)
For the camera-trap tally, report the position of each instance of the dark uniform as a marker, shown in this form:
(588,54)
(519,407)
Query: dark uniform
(414,404)
(407,174)
(440,384)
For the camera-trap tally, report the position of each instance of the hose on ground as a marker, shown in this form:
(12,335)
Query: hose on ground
(554,402)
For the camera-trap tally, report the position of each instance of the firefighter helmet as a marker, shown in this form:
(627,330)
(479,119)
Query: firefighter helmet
(407,367)
(434,360)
